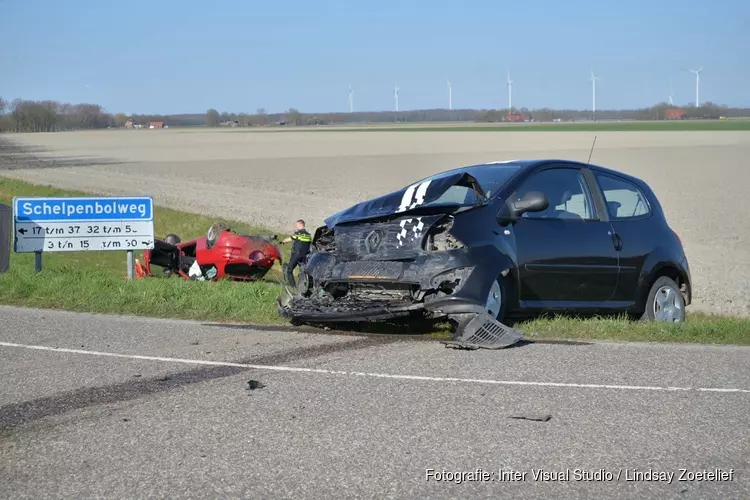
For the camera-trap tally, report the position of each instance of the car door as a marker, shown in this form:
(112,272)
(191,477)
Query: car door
(631,217)
(566,254)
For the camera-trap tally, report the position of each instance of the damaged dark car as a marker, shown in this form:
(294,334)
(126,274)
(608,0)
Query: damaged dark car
(483,243)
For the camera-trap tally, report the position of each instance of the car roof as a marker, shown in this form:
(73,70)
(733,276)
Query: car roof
(529,164)
(524,165)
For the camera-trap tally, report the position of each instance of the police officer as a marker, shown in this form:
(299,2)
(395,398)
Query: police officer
(300,248)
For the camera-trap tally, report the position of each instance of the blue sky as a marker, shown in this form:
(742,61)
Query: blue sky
(168,56)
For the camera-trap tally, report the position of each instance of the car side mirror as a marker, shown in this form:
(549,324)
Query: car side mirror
(534,201)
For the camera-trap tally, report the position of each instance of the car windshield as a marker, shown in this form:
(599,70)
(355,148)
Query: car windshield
(491,178)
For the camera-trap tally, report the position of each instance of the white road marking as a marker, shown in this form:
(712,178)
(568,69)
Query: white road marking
(375,375)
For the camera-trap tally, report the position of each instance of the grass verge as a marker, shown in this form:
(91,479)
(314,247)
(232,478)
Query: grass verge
(95,282)
(698,328)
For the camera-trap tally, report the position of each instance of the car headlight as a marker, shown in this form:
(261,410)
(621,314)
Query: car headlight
(440,239)
(452,280)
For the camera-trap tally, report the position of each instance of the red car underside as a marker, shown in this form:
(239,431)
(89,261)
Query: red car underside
(234,256)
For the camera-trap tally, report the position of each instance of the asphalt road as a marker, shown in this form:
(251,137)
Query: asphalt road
(101,406)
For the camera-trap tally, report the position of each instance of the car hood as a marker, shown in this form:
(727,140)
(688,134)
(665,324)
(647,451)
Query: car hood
(406,200)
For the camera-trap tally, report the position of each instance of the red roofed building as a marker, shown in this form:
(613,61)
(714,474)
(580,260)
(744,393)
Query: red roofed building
(156,125)
(674,114)
(515,116)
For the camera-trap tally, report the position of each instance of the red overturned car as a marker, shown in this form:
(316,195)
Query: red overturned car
(221,253)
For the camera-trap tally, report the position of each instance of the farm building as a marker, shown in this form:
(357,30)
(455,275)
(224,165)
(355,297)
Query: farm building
(515,116)
(675,114)
(156,125)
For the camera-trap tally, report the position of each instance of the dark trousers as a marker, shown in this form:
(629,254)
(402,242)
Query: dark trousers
(294,261)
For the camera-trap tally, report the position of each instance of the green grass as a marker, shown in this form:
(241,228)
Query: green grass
(626,126)
(95,282)
(698,328)
(93,289)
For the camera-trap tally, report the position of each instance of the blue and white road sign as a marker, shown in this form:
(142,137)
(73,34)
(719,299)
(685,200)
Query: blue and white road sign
(83,224)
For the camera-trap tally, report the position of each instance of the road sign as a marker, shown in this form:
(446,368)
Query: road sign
(83,224)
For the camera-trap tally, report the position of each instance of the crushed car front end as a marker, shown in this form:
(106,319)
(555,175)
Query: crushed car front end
(385,269)
(427,251)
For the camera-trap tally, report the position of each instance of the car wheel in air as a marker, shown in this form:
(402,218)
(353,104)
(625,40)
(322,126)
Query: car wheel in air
(213,233)
(172,239)
(665,302)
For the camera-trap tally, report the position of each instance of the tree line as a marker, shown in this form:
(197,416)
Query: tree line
(51,116)
(292,116)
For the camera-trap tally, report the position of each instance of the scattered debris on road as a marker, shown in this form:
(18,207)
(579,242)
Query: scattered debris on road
(538,418)
(254,384)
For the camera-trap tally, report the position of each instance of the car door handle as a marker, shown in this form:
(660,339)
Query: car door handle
(616,241)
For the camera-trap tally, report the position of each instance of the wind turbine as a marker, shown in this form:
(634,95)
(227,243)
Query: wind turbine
(697,84)
(671,92)
(395,97)
(450,95)
(593,93)
(351,99)
(510,92)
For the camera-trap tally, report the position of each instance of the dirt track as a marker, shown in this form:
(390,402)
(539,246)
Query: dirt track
(272,179)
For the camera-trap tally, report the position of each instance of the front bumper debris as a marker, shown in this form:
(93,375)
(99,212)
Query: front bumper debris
(484,332)
(344,310)
(481,332)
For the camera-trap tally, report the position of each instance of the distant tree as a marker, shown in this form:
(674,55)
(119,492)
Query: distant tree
(3,105)
(262,116)
(212,118)
(120,119)
(293,116)
(244,119)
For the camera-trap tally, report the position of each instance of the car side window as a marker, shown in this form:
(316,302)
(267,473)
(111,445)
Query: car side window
(624,199)
(566,191)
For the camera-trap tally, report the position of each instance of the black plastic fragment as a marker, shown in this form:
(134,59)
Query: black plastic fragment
(538,418)
(254,384)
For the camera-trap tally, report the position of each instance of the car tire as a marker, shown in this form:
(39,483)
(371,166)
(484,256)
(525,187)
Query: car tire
(498,289)
(213,233)
(664,302)
(172,239)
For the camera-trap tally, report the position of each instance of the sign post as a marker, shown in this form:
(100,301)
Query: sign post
(83,225)
(6,229)
(131,264)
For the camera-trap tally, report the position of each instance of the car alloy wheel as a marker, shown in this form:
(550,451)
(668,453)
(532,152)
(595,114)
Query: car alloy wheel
(494,300)
(493,306)
(665,302)
(667,305)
